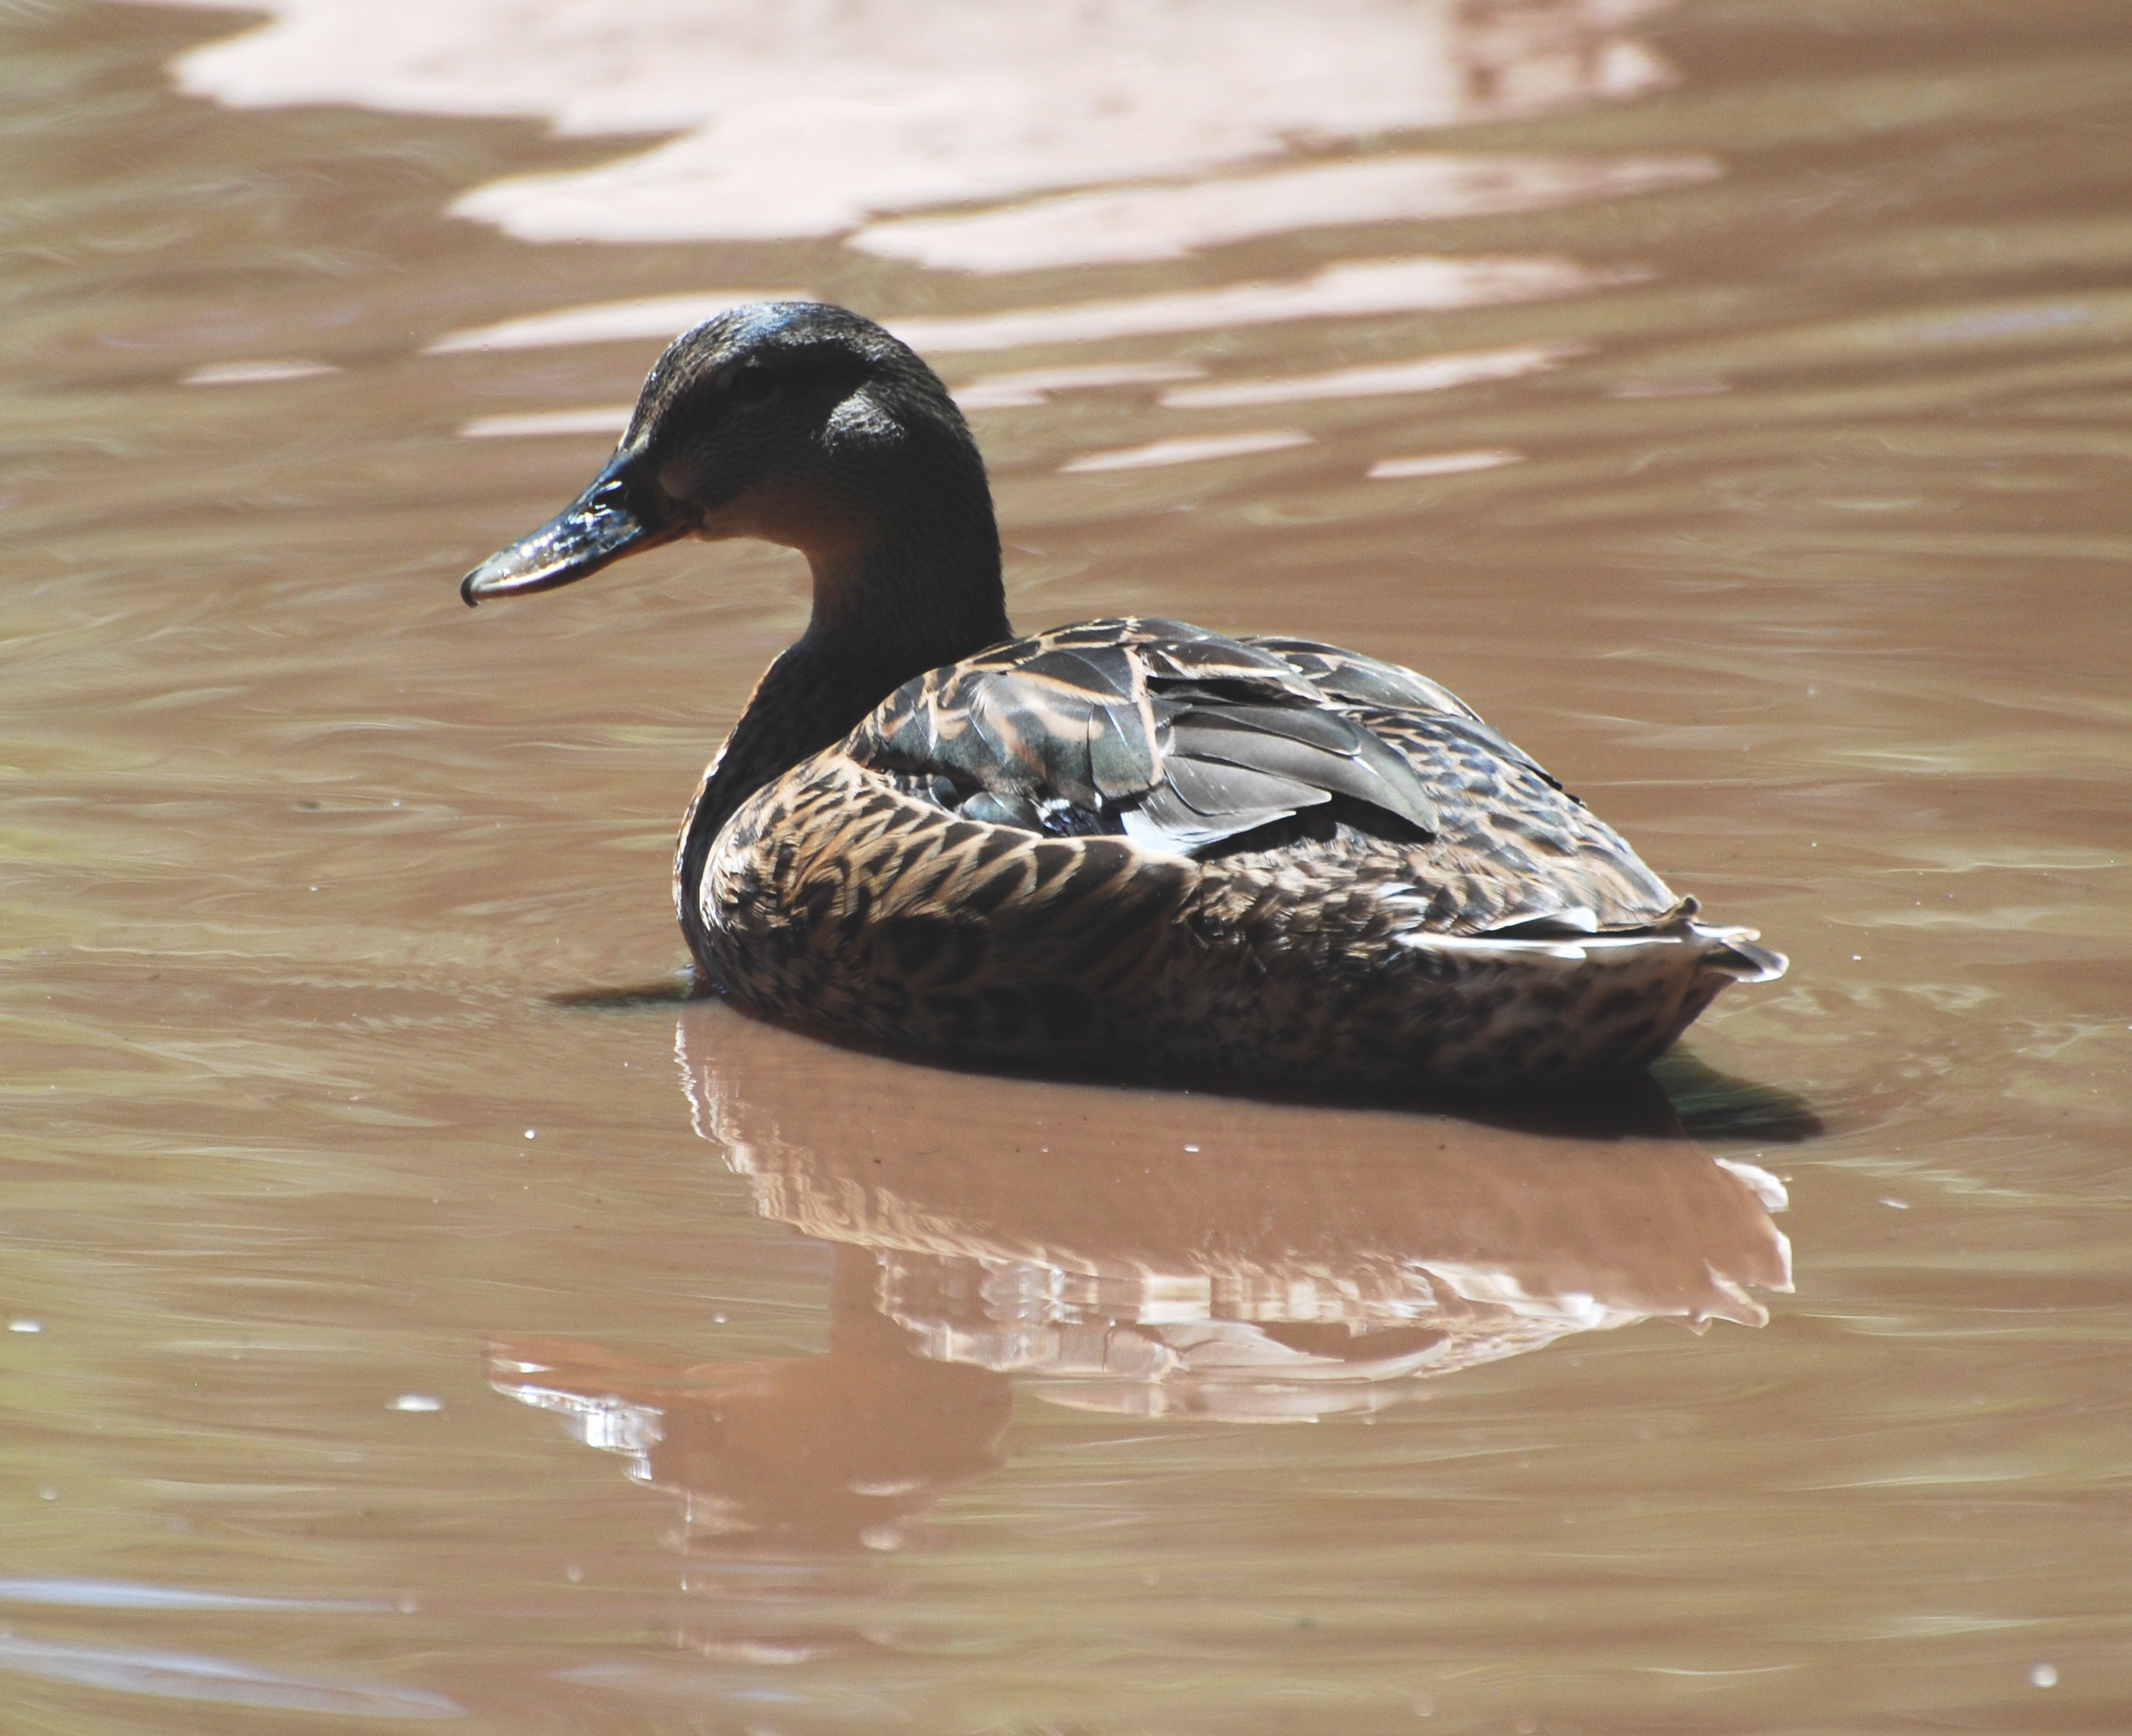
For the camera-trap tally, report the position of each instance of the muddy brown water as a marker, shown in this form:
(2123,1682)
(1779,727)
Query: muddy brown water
(415,1313)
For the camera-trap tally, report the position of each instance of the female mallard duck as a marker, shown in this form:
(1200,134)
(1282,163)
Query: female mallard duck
(1126,840)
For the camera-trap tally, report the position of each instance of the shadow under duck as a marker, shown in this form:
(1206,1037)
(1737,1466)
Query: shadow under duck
(1127,841)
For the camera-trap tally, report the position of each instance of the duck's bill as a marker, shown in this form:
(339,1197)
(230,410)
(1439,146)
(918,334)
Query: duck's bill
(603,525)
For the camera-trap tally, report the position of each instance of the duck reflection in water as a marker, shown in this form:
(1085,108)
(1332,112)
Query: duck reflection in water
(1143,1253)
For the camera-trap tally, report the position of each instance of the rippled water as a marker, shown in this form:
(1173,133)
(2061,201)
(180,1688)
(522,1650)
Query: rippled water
(416,1312)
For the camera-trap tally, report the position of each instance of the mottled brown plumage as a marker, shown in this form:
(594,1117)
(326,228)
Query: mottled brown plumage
(1127,840)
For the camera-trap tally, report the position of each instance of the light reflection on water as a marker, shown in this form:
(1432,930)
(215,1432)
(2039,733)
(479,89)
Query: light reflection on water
(806,121)
(1798,547)
(1345,290)
(1468,1241)
(1172,1256)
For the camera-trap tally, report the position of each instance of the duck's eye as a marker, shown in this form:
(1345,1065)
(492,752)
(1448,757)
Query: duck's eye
(752,382)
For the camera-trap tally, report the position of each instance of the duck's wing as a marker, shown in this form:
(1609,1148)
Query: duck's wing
(1348,674)
(1183,738)
(1395,690)
(1198,745)
(1526,856)
(1176,737)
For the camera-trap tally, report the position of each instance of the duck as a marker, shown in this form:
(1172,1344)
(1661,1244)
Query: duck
(1127,844)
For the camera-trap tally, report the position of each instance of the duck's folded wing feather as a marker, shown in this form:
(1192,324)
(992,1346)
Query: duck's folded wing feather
(1178,737)
(1165,820)
(1123,758)
(1348,674)
(1323,748)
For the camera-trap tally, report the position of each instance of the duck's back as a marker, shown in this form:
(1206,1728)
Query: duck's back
(1137,839)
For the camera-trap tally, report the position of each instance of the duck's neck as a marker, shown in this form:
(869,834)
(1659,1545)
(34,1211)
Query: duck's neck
(921,588)
(886,610)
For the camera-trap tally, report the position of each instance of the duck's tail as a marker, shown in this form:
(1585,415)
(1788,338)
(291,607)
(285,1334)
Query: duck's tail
(1733,952)
(1578,935)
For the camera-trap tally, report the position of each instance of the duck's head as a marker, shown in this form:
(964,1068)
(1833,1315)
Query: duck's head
(801,424)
